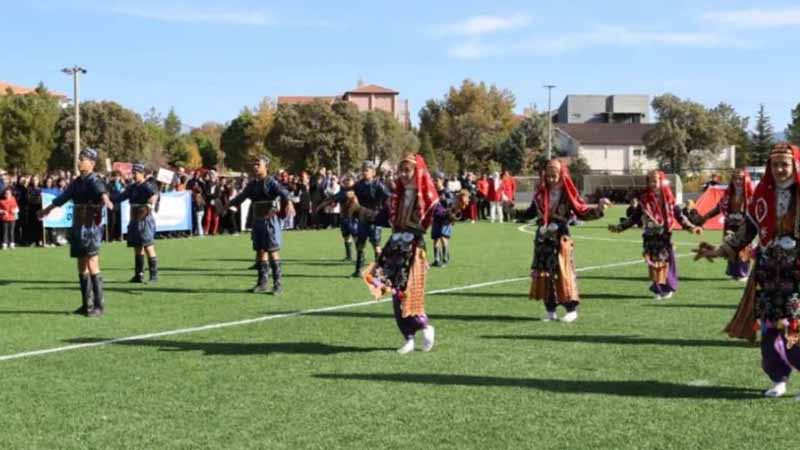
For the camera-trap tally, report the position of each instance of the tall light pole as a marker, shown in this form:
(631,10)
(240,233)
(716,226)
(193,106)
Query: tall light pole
(76,71)
(549,88)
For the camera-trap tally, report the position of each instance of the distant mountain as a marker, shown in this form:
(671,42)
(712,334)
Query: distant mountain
(780,136)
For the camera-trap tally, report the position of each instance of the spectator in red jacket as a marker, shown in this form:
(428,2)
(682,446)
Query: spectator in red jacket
(8,216)
(509,194)
(483,196)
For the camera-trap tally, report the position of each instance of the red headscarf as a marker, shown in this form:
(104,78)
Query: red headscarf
(762,207)
(427,196)
(661,212)
(730,194)
(542,196)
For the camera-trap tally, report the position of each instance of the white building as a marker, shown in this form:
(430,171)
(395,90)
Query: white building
(618,148)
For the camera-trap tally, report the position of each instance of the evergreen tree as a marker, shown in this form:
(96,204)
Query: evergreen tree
(793,130)
(762,139)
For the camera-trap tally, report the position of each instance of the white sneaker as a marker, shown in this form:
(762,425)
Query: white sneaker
(742,279)
(12,245)
(657,297)
(550,317)
(777,390)
(5,246)
(428,335)
(408,347)
(571,316)
(667,296)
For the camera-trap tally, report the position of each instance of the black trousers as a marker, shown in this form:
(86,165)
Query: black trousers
(8,232)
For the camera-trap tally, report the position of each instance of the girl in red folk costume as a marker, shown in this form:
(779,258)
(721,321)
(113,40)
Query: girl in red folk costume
(400,268)
(771,302)
(659,214)
(553,277)
(733,207)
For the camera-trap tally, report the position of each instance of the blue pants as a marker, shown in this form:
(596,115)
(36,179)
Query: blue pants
(441,230)
(368,232)
(84,240)
(142,233)
(266,234)
(348,227)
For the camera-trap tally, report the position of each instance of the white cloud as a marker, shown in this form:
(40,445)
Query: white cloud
(482,25)
(601,36)
(756,18)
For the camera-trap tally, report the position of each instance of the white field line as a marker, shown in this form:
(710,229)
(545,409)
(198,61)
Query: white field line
(216,326)
(526,229)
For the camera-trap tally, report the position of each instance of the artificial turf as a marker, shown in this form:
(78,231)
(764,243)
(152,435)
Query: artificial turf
(631,373)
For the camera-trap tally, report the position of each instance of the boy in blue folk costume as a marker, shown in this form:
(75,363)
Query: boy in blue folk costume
(265,193)
(88,194)
(141,233)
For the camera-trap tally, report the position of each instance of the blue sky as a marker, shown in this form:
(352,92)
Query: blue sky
(210,58)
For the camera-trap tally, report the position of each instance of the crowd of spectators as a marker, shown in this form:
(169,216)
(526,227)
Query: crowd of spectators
(492,197)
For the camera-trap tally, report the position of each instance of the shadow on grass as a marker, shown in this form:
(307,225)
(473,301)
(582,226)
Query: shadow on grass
(238,348)
(304,262)
(483,294)
(622,340)
(623,388)
(524,295)
(689,306)
(458,317)
(643,279)
(23,312)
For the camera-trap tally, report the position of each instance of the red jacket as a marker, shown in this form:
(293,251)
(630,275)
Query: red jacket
(483,187)
(510,188)
(495,192)
(10,207)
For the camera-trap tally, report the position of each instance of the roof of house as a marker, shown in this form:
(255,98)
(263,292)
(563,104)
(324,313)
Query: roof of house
(21,90)
(606,133)
(371,89)
(304,99)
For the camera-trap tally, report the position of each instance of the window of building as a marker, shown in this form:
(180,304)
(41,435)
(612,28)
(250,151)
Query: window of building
(576,115)
(637,152)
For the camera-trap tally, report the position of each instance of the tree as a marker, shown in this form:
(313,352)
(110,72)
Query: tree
(28,124)
(426,151)
(526,141)
(682,126)
(735,131)
(762,139)
(172,125)
(236,141)
(116,132)
(385,138)
(470,122)
(793,129)
(577,169)
(313,135)
(208,138)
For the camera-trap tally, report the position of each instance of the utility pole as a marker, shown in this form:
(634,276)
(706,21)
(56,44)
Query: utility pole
(76,71)
(549,88)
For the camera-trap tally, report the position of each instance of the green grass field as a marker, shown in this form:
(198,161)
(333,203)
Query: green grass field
(631,373)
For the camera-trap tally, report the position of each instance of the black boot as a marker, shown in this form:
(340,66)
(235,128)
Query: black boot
(359,263)
(138,276)
(86,296)
(348,250)
(97,291)
(152,265)
(263,278)
(275,265)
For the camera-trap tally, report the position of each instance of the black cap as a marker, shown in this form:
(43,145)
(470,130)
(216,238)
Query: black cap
(137,167)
